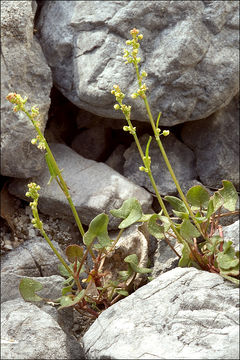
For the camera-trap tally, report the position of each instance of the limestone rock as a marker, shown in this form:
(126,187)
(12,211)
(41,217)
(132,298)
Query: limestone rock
(92,143)
(185,313)
(189,49)
(31,259)
(30,333)
(94,187)
(215,142)
(180,157)
(24,70)
(231,232)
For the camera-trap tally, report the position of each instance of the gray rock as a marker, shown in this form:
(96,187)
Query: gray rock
(116,159)
(30,333)
(215,142)
(92,143)
(190,51)
(24,70)
(31,259)
(183,314)
(180,157)
(231,232)
(94,187)
(164,257)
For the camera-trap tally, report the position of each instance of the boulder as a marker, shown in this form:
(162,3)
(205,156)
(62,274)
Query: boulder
(31,259)
(94,187)
(185,313)
(30,333)
(24,70)
(180,156)
(189,49)
(92,143)
(215,142)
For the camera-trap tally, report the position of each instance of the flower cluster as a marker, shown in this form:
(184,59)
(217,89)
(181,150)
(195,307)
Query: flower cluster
(18,100)
(40,142)
(119,98)
(140,92)
(32,192)
(132,57)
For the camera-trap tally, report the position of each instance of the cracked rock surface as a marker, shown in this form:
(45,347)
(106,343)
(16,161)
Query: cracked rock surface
(30,333)
(189,50)
(95,188)
(24,70)
(183,314)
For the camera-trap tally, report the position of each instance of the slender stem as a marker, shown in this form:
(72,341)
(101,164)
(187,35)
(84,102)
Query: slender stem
(170,169)
(58,172)
(149,172)
(56,252)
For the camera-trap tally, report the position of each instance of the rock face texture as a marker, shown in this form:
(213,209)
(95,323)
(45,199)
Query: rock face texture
(30,333)
(190,51)
(31,259)
(215,142)
(24,70)
(180,157)
(183,314)
(94,188)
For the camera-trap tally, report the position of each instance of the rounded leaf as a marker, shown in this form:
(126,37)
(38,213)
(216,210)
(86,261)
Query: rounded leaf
(28,287)
(73,252)
(198,196)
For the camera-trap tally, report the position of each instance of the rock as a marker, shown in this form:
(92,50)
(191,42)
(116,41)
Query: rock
(189,49)
(132,241)
(231,232)
(183,314)
(164,258)
(215,142)
(94,187)
(116,159)
(24,70)
(31,259)
(30,333)
(92,143)
(180,157)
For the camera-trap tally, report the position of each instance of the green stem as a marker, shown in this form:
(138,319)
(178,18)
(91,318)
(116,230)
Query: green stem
(56,252)
(170,169)
(149,172)
(58,173)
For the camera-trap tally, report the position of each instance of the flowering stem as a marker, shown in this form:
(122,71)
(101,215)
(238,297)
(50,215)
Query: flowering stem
(57,171)
(170,169)
(149,172)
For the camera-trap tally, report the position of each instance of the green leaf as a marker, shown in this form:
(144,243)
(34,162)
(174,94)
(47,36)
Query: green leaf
(98,229)
(122,292)
(214,241)
(155,229)
(176,203)
(124,275)
(158,118)
(63,271)
(73,252)
(229,194)
(68,300)
(28,287)
(66,290)
(132,260)
(130,211)
(181,215)
(188,230)
(230,278)
(227,258)
(198,196)
(185,260)
(215,202)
